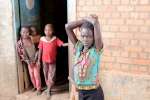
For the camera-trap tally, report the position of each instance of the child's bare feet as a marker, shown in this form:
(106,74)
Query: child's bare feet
(39,92)
(48,93)
(33,89)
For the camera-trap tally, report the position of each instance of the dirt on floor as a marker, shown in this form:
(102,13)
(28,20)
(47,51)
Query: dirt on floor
(33,96)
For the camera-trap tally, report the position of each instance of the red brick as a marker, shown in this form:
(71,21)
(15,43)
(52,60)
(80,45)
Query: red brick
(143,43)
(107,8)
(144,8)
(124,35)
(134,42)
(144,15)
(123,28)
(125,42)
(106,28)
(125,8)
(116,2)
(124,54)
(108,35)
(134,2)
(81,2)
(145,29)
(134,15)
(125,67)
(135,22)
(108,59)
(107,53)
(89,2)
(107,15)
(125,2)
(116,22)
(144,55)
(144,2)
(147,49)
(106,2)
(124,15)
(137,69)
(115,15)
(142,36)
(133,55)
(116,53)
(133,61)
(133,49)
(98,2)
(114,28)
(134,28)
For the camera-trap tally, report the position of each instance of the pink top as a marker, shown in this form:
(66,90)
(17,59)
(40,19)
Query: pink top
(49,49)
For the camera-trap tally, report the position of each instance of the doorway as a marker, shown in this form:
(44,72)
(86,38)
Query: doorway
(51,11)
(55,12)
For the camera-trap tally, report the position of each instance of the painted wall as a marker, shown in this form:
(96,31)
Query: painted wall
(8,74)
(30,12)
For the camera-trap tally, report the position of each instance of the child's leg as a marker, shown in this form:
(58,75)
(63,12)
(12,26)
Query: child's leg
(51,74)
(31,73)
(37,77)
(74,93)
(45,70)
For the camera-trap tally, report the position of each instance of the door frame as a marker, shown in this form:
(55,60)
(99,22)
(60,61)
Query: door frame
(16,27)
(72,15)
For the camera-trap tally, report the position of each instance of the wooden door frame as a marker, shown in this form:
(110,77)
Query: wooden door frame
(71,13)
(16,27)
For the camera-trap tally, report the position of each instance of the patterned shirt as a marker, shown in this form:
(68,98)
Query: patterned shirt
(85,66)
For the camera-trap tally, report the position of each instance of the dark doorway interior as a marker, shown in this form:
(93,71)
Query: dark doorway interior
(55,12)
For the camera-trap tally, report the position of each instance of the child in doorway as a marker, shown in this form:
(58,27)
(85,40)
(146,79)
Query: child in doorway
(35,36)
(85,69)
(48,50)
(27,53)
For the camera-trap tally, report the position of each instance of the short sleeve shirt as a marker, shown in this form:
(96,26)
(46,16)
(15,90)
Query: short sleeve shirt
(49,49)
(85,66)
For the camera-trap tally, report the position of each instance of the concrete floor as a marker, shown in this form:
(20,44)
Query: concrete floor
(32,96)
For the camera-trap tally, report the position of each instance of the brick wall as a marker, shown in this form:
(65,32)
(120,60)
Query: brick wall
(125,27)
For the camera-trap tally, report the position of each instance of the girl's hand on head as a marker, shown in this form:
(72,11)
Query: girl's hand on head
(94,16)
(92,19)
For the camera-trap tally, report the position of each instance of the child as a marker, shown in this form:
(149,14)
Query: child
(28,54)
(35,37)
(86,58)
(48,49)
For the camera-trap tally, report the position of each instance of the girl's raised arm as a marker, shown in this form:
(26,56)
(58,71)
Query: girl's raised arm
(97,33)
(69,29)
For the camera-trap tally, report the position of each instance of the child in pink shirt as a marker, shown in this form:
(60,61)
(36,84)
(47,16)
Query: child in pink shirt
(48,50)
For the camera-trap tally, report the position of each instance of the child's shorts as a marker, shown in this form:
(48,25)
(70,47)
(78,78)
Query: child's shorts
(96,94)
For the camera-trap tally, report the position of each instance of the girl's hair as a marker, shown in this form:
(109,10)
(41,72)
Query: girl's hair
(50,25)
(24,26)
(87,25)
(27,27)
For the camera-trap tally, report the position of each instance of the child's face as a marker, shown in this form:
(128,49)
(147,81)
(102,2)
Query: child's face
(33,29)
(48,30)
(87,37)
(24,32)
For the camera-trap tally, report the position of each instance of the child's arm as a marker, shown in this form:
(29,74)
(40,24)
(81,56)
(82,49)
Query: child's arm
(69,29)
(65,44)
(36,55)
(97,33)
(39,56)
